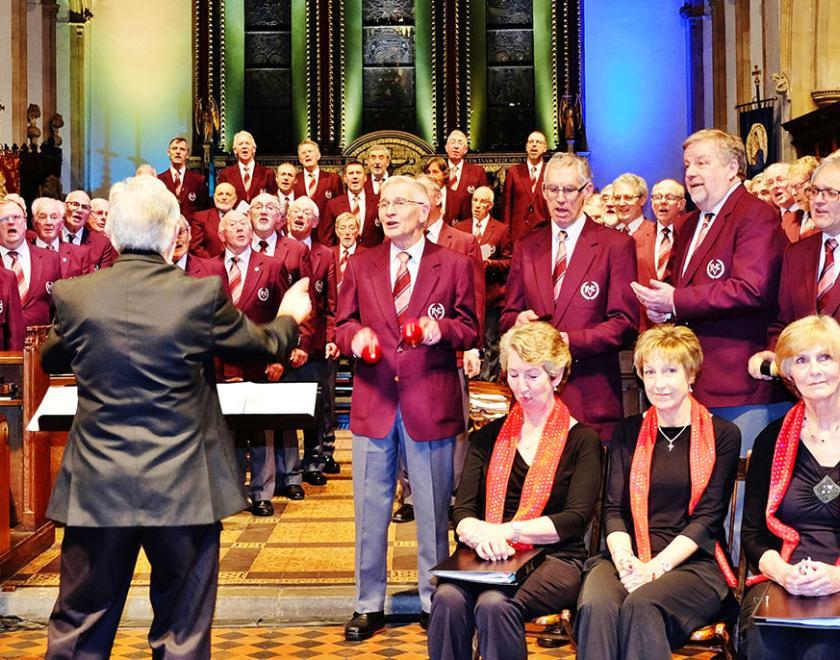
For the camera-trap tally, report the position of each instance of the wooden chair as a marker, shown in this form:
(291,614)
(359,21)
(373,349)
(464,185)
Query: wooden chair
(716,637)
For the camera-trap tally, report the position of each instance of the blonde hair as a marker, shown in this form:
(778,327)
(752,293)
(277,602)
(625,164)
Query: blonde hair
(537,343)
(805,165)
(805,334)
(347,217)
(635,182)
(674,343)
(728,146)
(562,160)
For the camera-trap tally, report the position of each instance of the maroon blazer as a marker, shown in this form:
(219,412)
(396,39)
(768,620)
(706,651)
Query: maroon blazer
(372,233)
(497,266)
(204,240)
(422,381)
(74,259)
(329,187)
(199,267)
(262,292)
(193,197)
(458,207)
(792,223)
(101,253)
(337,258)
(293,257)
(798,286)
(645,238)
(728,296)
(323,293)
(523,211)
(44,272)
(472,176)
(467,245)
(596,308)
(262,180)
(12,327)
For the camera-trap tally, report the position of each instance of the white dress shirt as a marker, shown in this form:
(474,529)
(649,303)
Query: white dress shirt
(413,265)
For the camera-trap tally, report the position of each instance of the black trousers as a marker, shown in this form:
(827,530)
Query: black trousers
(320,441)
(498,613)
(781,642)
(647,624)
(96,568)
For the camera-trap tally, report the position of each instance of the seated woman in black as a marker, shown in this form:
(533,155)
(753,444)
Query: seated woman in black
(531,478)
(672,471)
(791,527)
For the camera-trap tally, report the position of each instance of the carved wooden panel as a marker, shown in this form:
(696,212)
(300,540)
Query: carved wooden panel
(509,12)
(388,12)
(267,49)
(268,14)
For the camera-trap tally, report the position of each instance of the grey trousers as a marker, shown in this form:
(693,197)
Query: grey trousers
(375,465)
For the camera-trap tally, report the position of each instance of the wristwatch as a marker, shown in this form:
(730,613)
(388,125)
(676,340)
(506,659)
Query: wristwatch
(516,526)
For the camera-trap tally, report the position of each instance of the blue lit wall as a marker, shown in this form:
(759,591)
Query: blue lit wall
(635,64)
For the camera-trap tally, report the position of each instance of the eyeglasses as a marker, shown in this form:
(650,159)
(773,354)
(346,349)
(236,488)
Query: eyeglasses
(658,197)
(78,205)
(829,194)
(8,219)
(618,199)
(399,203)
(483,202)
(802,186)
(270,207)
(568,191)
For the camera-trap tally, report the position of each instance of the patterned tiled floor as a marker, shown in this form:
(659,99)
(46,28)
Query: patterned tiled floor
(279,550)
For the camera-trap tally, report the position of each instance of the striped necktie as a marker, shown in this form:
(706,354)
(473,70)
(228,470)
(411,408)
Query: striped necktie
(17,269)
(235,280)
(402,288)
(560,265)
(342,265)
(177,177)
(664,254)
(827,277)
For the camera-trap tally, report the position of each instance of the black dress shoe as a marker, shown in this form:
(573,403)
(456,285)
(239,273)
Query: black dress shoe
(293,492)
(362,626)
(424,620)
(262,508)
(330,466)
(404,514)
(314,478)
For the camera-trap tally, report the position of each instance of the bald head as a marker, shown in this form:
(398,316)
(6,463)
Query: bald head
(457,146)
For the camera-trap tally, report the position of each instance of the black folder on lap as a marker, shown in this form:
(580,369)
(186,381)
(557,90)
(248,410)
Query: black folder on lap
(779,608)
(466,565)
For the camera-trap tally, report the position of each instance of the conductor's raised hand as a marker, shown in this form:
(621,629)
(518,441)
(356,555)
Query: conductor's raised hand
(296,303)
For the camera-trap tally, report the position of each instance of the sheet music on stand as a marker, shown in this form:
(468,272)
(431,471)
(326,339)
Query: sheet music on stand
(244,405)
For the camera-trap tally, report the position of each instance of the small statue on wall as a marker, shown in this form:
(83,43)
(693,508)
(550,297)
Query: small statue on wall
(3,191)
(56,123)
(51,187)
(33,133)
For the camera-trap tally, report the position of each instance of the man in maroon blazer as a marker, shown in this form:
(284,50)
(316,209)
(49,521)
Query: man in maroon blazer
(188,186)
(357,200)
(454,205)
(204,225)
(576,274)
(725,280)
(347,233)
(192,265)
(523,204)
(630,193)
(655,240)
(247,176)
(810,266)
(76,231)
(285,177)
(256,287)
(410,401)
(797,223)
(35,269)
(496,248)
(378,162)
(47,223)
(313,182)
(463,176)
(311,361)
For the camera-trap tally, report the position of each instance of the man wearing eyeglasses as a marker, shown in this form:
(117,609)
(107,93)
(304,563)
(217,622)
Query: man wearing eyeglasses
(523,204)
(724,281)
(36,270)
(47,224)
(655,240)
(796,222)
(809,266)
(410,401)
(76,231)
(576,274)
(630,193)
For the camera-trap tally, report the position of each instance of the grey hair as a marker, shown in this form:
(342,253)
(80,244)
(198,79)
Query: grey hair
(143,215)
(563,160)
(415,185)
(45,203)
(301,202)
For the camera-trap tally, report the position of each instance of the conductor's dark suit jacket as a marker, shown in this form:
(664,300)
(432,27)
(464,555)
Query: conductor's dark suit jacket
(149,445)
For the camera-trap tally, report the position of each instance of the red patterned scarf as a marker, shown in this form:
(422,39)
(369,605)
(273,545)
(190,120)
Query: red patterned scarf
(701,464)
(784,459)
(540,477)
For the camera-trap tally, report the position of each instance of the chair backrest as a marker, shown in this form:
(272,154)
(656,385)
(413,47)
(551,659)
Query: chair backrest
(731,531)
(593,534)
